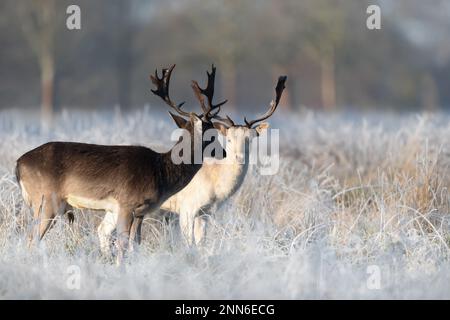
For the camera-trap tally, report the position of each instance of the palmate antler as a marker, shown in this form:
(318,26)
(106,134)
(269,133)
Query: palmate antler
(208,92)
(273,104)
(162,89)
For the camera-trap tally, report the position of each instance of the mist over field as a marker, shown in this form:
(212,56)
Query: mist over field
(358,209)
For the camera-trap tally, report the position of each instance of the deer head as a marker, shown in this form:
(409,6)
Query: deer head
(238,136)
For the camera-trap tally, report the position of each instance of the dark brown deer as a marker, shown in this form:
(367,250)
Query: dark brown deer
(126,180)
(216,181)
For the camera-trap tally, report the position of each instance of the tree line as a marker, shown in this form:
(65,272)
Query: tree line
(331,58)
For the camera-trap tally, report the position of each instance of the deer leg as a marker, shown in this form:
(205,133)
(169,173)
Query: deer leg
(135,233)
(45,212)
(104,231)
(200,224)
(37,208)
(187,226)
(69,213)
(124,221)
(138,217)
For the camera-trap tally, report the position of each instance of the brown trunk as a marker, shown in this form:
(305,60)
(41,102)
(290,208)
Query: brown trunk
(328,83)
(47,83)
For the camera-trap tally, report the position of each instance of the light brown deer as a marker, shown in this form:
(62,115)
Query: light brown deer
(126,180)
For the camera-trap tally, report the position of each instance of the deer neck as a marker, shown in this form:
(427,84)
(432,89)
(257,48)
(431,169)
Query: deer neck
(177,176)
(233,174)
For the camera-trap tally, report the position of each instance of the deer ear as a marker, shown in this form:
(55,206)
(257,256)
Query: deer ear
(181,122)
(262,127)
(221,127)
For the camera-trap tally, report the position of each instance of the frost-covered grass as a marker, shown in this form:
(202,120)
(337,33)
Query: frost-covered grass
(354,195)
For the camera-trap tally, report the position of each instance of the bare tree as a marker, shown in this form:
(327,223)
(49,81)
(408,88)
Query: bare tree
(38,21)
(124,43)
(322,35)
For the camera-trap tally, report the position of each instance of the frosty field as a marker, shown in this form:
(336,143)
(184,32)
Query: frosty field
(358,209)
